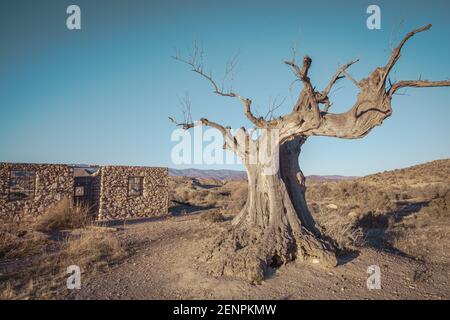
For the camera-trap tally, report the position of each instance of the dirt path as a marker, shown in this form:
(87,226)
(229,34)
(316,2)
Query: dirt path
(164,267)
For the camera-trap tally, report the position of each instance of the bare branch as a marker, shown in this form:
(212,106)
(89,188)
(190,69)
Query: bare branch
(301,73)
(273,106)
(186,108)
(183,125)
(336,77)
(307,99)
(197,67)
(229,72)
(230,141)
(187,122)
(372,107)
(350,78)
(396,52)
(185,103)
(323,96)
(293,52)
(418,84)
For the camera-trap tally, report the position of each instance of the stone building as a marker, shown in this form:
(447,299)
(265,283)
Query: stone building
(111,192)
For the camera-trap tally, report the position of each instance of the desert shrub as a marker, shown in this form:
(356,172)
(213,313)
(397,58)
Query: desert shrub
(19,240)
(373,221)
(343,230)
(41,259)
(90,248)
(377,201)
(319,191)
(348,196)
(213,216)
(230,195)
(64,216)
(314,208)
(439,207)
(213,199)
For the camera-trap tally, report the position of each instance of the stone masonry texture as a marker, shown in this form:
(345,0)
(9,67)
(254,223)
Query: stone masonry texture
(116,198)
(52,182)
(117,202)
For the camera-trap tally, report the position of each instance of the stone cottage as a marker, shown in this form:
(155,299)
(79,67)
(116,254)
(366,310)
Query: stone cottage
(111,192)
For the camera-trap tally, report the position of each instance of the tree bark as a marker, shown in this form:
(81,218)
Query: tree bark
(274,227)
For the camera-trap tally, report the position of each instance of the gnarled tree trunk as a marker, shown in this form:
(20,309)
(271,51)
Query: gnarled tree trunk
(275,226)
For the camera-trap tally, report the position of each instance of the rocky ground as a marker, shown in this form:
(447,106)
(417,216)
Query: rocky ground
(164,266)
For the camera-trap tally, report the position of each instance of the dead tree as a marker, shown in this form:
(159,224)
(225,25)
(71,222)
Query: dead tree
(275,226)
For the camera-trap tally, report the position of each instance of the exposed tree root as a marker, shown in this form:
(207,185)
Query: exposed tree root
(251,254)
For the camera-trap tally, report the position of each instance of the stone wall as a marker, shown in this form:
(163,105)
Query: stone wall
(47,184)
(52,182)
(117,201)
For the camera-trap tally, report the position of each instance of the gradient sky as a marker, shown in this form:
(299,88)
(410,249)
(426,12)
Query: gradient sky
(102,95)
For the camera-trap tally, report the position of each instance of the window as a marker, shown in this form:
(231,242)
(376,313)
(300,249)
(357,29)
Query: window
(135,186)
(21,185)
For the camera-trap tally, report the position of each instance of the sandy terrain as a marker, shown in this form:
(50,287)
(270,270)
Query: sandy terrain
(164,266)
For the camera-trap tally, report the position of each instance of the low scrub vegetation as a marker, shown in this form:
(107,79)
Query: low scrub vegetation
(35,254)
(375,210)
(92,247)
(63,216)
(230,195)
(213,216)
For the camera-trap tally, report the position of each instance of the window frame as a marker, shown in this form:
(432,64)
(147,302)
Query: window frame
(30,192)
(141,186)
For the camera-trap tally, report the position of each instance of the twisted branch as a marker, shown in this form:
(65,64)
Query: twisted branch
(197,67)
(417,84)
(397,51)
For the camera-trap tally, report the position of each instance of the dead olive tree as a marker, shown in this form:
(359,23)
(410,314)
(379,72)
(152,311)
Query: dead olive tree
(275,226)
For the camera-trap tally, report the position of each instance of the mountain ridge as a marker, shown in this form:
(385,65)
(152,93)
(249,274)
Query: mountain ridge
(226,174)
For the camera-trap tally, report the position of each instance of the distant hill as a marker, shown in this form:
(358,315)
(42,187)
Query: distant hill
(437,171)
(221,174)
(330,177)
(433,171)
(224,174)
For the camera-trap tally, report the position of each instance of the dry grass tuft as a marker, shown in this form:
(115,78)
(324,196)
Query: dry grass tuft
(41,259)
(439,207)
(64,216)
(19,240)
(344,230)
(212,216)
(230,195)
(92,248)
(8,292)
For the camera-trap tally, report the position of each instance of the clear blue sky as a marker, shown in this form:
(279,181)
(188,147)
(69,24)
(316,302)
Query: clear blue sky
(102,95)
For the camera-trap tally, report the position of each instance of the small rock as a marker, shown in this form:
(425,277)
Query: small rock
(352,215)
(332,206)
